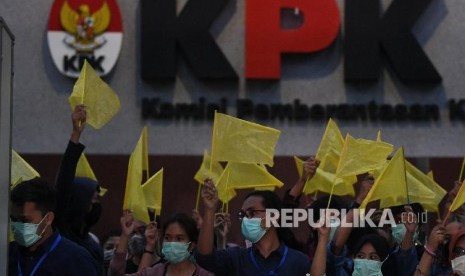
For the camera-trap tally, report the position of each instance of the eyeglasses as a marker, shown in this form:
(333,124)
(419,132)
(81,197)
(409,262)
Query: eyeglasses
(249,213)
(458,251)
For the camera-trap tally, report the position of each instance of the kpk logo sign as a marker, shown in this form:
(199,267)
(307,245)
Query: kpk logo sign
(85,29)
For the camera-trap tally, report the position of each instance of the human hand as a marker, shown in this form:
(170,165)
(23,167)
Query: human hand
(209,195)
(309,167)
(365,187)
(127,223)
(151,235)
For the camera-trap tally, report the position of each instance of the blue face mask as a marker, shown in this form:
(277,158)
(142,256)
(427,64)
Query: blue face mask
(252,229)
(26,233)
(175,252)
(364,267)
(399,231)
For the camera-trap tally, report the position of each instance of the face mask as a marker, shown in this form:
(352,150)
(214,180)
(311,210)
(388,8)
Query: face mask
(334,224)
(252,229)
(458,265)
(175,252)
(136,245)
(26,233)
(398,233)
(108,254)
(364,267)
(94,214)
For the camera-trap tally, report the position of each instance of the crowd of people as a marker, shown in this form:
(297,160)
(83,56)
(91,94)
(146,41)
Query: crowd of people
(51,227)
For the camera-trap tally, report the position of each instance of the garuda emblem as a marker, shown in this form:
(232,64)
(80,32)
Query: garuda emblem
(85,26)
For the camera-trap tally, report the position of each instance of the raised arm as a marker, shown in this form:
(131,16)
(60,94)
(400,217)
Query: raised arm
(436,237)
(319,259)
(118,262)
(410,221)
(343,233)
(308,172)
(151,236)
(210,201)
(69,161)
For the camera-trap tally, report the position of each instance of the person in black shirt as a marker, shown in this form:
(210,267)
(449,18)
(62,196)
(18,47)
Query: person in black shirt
(39,249)
(271,252)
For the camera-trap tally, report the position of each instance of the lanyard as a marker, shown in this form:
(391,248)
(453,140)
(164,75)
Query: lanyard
(273,271)
(54,245)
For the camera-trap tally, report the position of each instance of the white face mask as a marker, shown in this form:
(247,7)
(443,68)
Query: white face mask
(458,265)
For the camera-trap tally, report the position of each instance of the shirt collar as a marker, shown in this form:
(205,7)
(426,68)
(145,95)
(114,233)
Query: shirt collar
(279,251)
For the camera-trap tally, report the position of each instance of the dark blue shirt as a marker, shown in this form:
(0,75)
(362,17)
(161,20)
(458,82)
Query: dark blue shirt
(67,258)
(237,261)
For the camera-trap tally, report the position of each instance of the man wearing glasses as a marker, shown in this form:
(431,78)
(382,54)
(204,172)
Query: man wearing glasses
(270,253)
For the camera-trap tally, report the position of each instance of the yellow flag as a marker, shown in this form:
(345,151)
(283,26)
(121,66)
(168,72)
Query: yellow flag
(431,174)
(248,176)
(360,156)
(236,140)
(225,192)
(100,100)
(423,189)
(391,185)
(331,140)
(83,169)
(153,191)
(299,163)
(20,170)
(134,198)
(459,198)
(204,170)
(325,177)
(378,138)
(269,188)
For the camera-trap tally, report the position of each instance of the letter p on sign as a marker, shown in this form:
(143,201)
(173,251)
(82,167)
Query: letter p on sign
(266,41)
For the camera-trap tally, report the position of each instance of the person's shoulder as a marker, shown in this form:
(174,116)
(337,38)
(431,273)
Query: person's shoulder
(203,272)
(298,257)
(72,248)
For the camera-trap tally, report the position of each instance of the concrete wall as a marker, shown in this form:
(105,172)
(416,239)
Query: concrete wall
(41,113)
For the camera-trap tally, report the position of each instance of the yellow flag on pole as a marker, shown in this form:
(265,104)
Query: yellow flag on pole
(100,100)
(360,156)
(134,198)
(325,177)
(328,153)
(332,140)
(153,191)
(204,170)
(248,176)
(391,186)
(83,169)
(430,174)
(268,188)
(459,198)
(20,170)
(236,140)
(299,163)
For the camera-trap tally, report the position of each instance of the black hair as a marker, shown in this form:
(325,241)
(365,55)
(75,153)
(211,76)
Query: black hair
(379,243)
(186,222)
(37,191)
(272,201)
